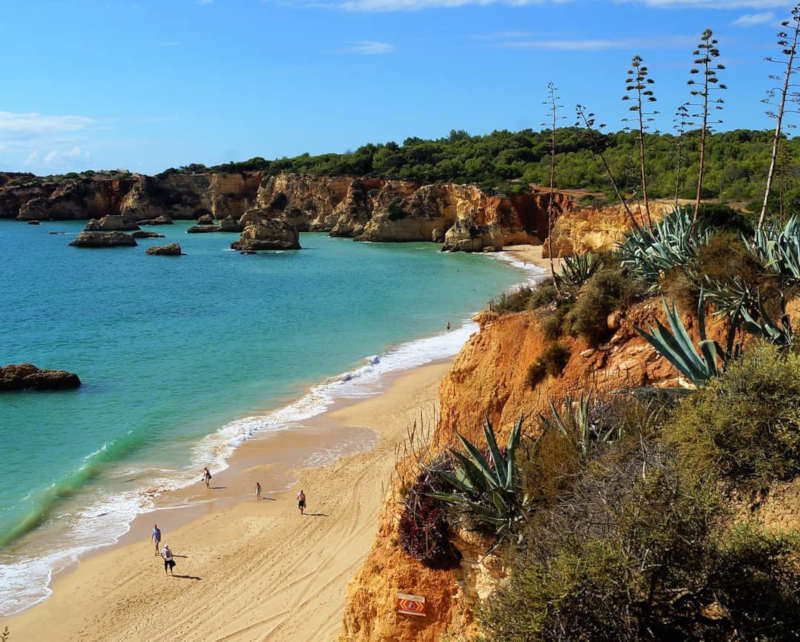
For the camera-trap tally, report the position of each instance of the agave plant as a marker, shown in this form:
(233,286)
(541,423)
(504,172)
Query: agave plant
(779,335)
(650,252)
(677,347)
(778,248)
(576,270)
(575,423)
(487,490)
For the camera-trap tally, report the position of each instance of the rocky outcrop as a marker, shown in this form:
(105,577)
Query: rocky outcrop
(84,198)
(230,224)
(111,223)
(203,229)
(158,220)
(466,236)
(144,234)
(268,234)
(171,249)
(368,209)
(28,377)
(103,239)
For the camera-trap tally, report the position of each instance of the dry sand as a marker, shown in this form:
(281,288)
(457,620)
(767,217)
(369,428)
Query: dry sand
(246,569)
(531,254)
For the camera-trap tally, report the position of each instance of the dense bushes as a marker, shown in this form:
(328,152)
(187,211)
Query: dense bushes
(551,362)
(609,289)
(736,162)
(745,426)
(641,549)
(515,301)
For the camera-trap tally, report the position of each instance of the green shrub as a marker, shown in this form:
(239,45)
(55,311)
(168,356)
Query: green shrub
(515,301)
(638,549)
(551,362)
(608,290)
(745,425)
(543,294)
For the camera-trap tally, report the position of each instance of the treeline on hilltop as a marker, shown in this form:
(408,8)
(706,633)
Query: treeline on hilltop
(504,161)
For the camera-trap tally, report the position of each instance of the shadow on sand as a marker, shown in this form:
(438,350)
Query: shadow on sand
(188,577)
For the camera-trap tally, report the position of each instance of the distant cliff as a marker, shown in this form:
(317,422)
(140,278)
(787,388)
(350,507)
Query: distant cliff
(463,217)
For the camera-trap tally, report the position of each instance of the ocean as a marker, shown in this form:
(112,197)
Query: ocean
(183,358)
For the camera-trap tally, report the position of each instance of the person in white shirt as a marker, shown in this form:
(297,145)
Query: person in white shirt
(169,563)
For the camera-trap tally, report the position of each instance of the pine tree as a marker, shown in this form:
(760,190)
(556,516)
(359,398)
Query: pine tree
(705,54)
(637,86)
(787,41)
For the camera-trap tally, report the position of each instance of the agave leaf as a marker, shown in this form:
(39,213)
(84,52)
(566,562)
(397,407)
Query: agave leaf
(494,453)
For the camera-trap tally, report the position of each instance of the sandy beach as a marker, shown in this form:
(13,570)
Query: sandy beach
(246,569)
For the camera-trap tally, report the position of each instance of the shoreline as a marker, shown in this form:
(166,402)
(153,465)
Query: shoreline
(250,564)
(255,457)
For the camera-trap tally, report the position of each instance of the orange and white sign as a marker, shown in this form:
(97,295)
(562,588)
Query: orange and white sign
(411,604)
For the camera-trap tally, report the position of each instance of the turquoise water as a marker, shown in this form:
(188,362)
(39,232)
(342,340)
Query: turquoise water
(170,350)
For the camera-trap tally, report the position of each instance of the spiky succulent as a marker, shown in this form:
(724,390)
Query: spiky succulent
(676,346)
(488,491)
(779,334)
(778,248)
(576,270)
(651,252)
(574,422)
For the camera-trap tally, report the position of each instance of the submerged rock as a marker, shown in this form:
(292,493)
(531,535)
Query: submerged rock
(26,376)
(33,222)
(201,229)
(268,234)
(171,249)
(103,239)
(144,234)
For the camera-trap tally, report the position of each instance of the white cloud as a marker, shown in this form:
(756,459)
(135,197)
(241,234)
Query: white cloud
(56,156)
(368,47)
(599,44)
(710,4)
(33,125)
(751,19)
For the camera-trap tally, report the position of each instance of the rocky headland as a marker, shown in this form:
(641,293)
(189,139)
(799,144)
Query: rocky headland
(26,376)
(462,217)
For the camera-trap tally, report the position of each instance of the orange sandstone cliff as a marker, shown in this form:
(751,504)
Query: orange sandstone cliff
(487,376)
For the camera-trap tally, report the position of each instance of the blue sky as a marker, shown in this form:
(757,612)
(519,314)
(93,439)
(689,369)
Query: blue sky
(149,84)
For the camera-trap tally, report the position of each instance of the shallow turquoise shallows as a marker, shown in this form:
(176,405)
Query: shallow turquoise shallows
(170,349)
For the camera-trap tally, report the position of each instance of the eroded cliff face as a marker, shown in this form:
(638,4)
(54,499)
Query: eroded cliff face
(488,376)
(598,229)
(463,217)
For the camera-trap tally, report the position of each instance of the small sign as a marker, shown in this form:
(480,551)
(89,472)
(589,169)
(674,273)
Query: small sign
(411,604)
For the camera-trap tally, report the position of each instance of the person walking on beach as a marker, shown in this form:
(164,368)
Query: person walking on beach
(156,536)
(447,326)
(169,563)
(258,490)
(301,501)
(207,477)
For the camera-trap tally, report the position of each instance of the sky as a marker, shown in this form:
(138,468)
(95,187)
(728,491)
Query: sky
(145,85)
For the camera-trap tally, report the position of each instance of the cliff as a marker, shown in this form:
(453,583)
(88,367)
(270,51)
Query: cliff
(463,217)
(487,376)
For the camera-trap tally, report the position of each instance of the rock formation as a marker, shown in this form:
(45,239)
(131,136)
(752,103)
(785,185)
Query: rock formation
(28,377)
(203,229)
(103,239)
(145,234)
(171,249)
(268,234)
(205,219)
(111,223)
(369,209)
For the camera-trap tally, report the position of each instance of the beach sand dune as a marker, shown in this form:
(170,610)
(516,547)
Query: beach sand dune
(256,570)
